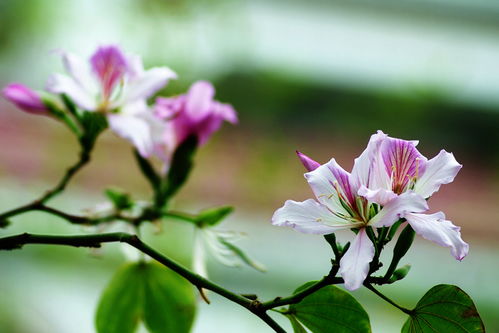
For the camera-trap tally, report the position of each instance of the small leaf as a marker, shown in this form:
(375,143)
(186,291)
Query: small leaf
(148,292)
(297,327)
(444,308)
(170,303)
(330,309)
(119,199)
(120,305)
(213,216)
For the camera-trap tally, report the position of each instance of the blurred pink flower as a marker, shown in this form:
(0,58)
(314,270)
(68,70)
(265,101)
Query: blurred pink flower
(194,113)
(25,98)
(390,180)
(116,84)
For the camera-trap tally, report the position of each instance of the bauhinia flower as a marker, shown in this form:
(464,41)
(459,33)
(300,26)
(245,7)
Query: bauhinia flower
(381,189)
(115,84)
(25,99)
(194,113)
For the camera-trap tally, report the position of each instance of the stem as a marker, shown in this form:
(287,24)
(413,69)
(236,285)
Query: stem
(325,281)
(374,290)
(18,241)
(39,203)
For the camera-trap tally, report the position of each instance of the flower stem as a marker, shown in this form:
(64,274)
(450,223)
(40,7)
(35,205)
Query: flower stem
(374,290)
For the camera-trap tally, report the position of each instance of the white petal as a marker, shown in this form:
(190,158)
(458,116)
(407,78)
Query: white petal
(354,265)
(62,84)
(199,254)
(380,196)
(439,170)
(408,202)
(79,70)
(362,172)
(309,217)
(146,84)
(437,229)
(325,182)
(134,129)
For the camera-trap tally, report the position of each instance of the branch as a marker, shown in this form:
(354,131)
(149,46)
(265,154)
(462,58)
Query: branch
(39,203)
(96,240)
(371,288)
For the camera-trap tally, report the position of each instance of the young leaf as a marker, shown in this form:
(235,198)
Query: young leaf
(330,309)
(444,308)
(147,292)
(213,216)
(120,305)
(119,199)
(169,301)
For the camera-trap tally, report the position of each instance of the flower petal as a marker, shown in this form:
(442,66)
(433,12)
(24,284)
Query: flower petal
(362,172)
(408,202)
(354,265)
(146,84)
(307,162)
(439,170)
(62,84)
(309,217)
(380,196)
(199,100)
(134,129)
(437,229)
(326,181)
(109,64)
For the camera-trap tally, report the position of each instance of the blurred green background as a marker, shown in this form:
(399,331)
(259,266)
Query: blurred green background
(317,76)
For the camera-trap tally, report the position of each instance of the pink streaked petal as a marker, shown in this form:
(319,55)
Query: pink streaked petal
(402,162)
(380,196)
(354,265)
(110,65)
(442,169)
(25,98)
(309,217)
(408,202)
(134,129)
(145,85)
(225,111)
(79,71)
(307,162)
(62,84)
(326,181)
(362,172)
(437,229)
(199,100)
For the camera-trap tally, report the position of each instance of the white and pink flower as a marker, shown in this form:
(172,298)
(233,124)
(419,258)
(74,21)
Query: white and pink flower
(115,84)
(390,180)
(25,99)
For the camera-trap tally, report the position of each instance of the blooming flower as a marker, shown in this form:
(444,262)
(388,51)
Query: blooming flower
(115,84)
(390,180)
(194,113)
(25,98)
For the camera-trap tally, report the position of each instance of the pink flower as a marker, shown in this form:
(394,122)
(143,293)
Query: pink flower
(116,84)
(195,113)
(25,98)
(390,180)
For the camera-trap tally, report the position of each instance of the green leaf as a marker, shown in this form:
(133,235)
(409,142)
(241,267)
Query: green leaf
(120,305)
(119,199)
(330,309)
(213,216)
(297,327)
(444,308)
(170,303)
(148,292)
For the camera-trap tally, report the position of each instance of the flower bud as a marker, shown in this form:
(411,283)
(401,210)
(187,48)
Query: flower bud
(25,98)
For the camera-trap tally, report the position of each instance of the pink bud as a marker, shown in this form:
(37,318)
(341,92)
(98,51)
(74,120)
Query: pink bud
(25,98)
(307,162)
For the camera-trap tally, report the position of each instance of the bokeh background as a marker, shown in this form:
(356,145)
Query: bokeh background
(318,76)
